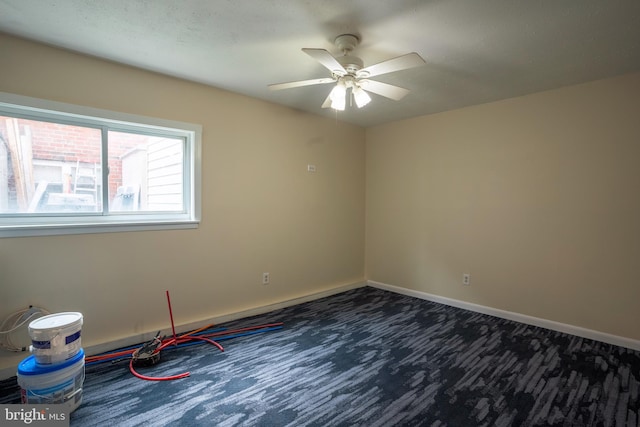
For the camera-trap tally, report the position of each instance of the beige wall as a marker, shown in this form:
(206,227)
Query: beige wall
(537,197)
(261,210)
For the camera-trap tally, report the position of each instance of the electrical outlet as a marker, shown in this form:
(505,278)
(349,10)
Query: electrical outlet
(265,278)
(311,168)
(466,279)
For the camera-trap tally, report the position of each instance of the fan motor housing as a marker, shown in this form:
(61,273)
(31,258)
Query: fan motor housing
(350,63)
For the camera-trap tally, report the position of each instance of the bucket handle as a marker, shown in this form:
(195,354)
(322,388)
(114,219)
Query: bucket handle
(66,398)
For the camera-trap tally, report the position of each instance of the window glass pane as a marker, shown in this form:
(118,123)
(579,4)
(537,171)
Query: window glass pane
(49,167)
(145,173)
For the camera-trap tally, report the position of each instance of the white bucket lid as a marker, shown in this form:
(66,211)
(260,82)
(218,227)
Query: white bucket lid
(55,321)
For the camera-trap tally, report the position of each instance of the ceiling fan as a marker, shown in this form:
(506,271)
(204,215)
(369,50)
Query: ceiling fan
(348,72)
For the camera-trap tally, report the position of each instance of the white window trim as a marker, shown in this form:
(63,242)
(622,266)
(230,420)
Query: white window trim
(84,224)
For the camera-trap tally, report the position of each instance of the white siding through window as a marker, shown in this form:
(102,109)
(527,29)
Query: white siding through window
(164,181)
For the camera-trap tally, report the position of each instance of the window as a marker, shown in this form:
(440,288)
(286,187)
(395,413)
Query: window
(66,169)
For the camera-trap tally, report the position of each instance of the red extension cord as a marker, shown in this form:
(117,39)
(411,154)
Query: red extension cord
(176,340)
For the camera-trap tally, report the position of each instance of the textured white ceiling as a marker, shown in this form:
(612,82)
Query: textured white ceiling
(477,51)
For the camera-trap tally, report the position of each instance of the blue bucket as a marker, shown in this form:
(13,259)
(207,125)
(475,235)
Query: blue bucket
(47,384)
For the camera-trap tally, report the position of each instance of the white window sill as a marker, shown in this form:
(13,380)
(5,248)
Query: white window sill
(61,229)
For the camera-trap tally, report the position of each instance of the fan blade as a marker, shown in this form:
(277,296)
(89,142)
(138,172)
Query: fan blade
(403,62)
(388,91)
(288,85)
(327,60)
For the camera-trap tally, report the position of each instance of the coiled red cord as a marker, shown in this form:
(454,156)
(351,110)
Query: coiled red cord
(144,377)
(167,343)
(175,340)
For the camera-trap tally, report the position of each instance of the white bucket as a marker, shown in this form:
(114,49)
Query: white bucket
(56,337)
(52,384)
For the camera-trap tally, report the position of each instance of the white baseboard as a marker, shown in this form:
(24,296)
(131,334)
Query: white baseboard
(139,338)
(509,315)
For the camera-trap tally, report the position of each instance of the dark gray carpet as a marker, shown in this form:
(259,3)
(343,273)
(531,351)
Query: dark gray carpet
(368,357)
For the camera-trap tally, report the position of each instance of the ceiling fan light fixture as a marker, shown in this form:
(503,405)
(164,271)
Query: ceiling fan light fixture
(339,104)
(338,92)
(361,97)
(338,96)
